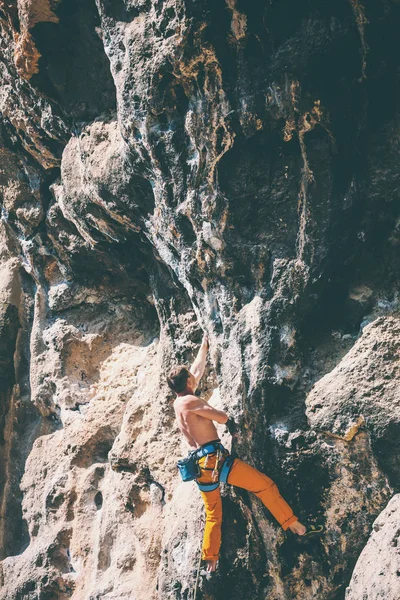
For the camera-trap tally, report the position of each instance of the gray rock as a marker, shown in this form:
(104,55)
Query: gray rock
(376,575)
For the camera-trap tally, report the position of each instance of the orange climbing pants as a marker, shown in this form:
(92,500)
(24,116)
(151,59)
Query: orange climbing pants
(244,476)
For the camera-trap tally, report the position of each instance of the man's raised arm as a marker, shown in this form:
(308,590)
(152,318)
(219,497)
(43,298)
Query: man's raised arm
(197,368)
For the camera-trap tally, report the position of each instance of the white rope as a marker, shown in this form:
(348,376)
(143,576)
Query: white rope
(197,578)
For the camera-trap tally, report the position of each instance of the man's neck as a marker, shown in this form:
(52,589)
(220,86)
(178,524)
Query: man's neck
(186,392)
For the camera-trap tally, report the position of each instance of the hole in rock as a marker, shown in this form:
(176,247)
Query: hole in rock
(29,586)
(135,503)
(98,500)
(120,10)
(93,451)
(59,559)
(59,553)
(186,228)
(54,501)
(74,69)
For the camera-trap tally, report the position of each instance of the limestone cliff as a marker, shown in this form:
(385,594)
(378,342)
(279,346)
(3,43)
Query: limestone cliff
(174,166)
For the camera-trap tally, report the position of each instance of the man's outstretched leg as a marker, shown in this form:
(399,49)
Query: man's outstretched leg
(212,530)
(245,476)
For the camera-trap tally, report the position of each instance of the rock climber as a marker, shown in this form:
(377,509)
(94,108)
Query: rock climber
(214,463)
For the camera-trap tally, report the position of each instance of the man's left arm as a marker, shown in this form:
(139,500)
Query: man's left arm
(197,368)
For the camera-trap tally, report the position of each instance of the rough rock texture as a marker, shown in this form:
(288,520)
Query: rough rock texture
(377,572)
(363,391)
(173,166)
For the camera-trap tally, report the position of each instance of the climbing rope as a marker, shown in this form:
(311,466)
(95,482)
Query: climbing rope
(197,578)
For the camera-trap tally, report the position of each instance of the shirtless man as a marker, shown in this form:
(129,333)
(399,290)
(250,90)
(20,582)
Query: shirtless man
(195,420)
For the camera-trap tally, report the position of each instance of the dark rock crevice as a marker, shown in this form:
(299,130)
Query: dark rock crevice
(73,69)
(20,424)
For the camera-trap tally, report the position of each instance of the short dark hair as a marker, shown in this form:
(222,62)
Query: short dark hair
(177,378)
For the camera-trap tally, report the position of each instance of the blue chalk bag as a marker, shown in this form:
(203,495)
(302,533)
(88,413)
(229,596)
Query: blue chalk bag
(188,467)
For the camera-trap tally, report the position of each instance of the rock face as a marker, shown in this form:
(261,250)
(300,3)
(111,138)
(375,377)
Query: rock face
(377,572)
(363,391)
(168,167)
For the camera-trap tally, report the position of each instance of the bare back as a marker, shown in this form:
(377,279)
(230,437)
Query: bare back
(198,430)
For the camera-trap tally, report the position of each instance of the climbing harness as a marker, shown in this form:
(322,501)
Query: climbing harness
(215,472)
(223,476)
(219,473)
(189,468)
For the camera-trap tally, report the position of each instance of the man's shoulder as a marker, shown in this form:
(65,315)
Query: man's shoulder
(188,400)
(189,397)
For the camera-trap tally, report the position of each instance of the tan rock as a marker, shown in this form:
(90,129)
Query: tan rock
(26,55)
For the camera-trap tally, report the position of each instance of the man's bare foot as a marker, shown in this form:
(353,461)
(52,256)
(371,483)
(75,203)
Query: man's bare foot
(298,528)
(211,566)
